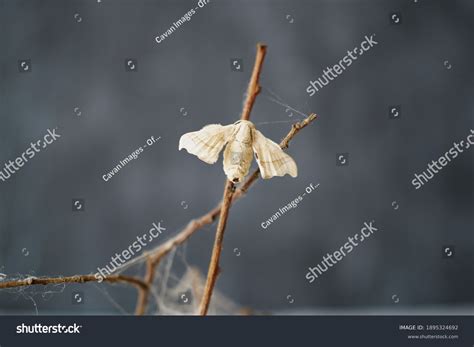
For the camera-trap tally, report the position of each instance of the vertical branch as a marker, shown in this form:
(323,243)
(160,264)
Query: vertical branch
(213,271)
(145,292)
(254,87)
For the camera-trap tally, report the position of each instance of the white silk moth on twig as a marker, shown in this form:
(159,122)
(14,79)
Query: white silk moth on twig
(241,140)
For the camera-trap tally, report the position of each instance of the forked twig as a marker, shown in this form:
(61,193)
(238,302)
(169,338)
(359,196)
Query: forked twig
(213,271)
(154,256)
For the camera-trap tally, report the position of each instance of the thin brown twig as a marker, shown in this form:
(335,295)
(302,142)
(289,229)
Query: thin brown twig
(29,281)
(213,271)
(254,88)
(143,293)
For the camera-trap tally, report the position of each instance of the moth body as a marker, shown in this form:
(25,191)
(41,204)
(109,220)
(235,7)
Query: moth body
(241,140)
(238,153)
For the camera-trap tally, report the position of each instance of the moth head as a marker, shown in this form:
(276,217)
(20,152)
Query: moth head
(247,122)
(243,130)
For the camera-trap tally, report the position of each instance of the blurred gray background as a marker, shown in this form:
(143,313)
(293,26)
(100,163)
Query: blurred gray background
(81,65)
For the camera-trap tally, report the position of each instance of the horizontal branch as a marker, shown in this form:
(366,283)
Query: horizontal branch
(30,281)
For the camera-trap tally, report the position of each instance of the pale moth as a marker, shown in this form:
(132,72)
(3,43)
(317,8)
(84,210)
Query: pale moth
(241,140)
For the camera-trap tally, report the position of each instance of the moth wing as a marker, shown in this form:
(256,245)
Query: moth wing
(207,143)
(271,159)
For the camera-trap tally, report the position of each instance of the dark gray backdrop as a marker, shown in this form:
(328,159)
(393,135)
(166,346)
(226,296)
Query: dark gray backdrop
(81,64)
